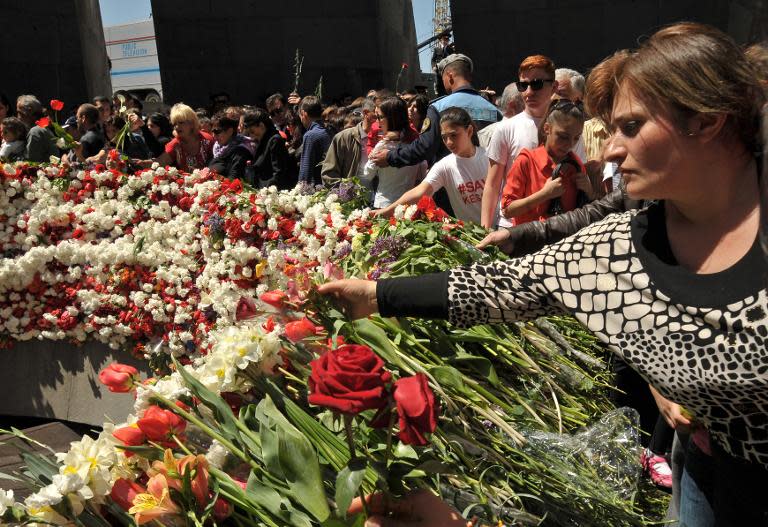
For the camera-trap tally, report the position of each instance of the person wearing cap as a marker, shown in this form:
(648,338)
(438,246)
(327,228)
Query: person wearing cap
(443,48)
(456,73)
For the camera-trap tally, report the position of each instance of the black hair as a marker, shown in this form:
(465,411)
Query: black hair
(16,126)
(220,120)
(162,121)
(256,117)
(102,99)
(459,117)
(311,105)
(273,99)
(422,103)
(5,102)
(559,109)
(395,110)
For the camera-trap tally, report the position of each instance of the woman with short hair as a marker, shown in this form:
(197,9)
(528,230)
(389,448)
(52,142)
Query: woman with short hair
(232,153)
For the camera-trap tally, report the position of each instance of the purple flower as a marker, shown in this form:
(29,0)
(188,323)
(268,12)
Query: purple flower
(346,191)
(392,245)
(343,251)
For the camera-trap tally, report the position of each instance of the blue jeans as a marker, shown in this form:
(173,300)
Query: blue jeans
(722,491)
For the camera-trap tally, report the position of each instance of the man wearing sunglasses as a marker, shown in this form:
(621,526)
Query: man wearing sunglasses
(456,72)
(536,84)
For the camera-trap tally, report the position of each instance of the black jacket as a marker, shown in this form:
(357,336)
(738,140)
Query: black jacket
(532,236)
(272,165)
(233,163)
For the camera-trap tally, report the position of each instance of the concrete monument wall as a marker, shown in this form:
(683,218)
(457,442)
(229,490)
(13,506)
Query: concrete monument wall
(247,47)
(53,49)
(499,34)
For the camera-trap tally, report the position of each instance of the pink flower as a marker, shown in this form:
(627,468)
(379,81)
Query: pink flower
(274,298)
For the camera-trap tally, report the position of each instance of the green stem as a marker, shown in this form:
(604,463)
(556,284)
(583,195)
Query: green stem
(352,455)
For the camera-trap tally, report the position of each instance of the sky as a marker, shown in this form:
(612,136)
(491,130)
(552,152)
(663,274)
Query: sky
(115,12)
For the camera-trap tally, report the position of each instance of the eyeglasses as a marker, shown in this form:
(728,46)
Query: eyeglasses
(275,111)
(535,84)
(379,117)
(217,131)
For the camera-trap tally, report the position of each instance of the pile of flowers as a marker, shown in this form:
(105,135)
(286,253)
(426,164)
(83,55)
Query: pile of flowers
(269,407)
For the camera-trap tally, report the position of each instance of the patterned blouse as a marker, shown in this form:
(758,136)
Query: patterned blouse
(701,340)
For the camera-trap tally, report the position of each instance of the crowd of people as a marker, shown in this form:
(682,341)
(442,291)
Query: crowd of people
(534,166)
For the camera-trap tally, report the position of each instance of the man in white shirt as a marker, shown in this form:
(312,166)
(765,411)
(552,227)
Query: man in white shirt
(510,104)
(536,84)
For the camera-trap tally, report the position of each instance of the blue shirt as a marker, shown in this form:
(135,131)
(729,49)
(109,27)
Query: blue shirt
(314,147)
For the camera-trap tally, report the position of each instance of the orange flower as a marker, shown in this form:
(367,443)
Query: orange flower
(175,470)
(155,503)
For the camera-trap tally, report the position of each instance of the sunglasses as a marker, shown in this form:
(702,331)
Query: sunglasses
(535,84)
(566,104)
(379,117)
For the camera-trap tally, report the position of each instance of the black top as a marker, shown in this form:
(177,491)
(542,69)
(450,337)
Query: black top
(272,165)
(93,141)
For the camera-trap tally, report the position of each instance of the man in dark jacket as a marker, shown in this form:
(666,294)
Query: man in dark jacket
(272,165)
(456,72)
(41,143)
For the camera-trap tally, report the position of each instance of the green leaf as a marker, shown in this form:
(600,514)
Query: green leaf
(481,365)
(403,451)
(377,339)
(265,496)
(296,459)
(347,483)
(221,410)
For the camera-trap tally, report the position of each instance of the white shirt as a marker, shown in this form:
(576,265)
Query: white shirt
(463,179)
(363,154)
(393,182)
(511,136)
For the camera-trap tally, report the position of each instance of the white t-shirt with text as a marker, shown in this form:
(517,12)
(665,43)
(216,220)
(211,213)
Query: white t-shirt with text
(463,179)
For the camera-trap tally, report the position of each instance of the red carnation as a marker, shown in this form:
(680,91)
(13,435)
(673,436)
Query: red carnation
(349,379)
(404,65)
(57,105)
(119,378)
(416,409)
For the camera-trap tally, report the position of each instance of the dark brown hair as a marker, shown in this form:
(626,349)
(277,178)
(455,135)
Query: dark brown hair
(685,69)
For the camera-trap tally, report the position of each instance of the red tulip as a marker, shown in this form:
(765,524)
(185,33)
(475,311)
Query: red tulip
(301,329)
(119,378)
(43,122)
(123,492)
(160,425)
(130,436)
(57,105)
(274,298)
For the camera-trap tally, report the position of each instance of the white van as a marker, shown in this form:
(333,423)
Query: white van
(132,51)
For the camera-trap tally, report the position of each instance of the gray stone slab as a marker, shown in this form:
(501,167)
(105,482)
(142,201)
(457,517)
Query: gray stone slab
(58,380)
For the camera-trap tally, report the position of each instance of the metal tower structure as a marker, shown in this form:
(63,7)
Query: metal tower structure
(442,19)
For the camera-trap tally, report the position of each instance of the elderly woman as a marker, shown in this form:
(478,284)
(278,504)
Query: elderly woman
(190,148)
(678,289)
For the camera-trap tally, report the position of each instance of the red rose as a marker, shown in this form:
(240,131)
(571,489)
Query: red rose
(349,379)
(159,425)
(222,509)
(124,491)
(43,122)
(119,378)
(416,409)
(57,105)
(300,329)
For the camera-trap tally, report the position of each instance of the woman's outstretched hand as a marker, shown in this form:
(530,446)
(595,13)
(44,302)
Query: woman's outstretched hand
(420,507)
(356,297)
